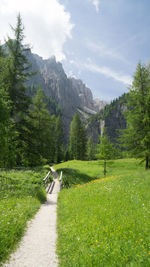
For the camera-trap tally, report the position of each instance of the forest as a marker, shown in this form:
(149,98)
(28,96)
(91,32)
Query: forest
(29,134)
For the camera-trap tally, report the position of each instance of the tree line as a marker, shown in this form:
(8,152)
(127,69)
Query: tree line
(134,141)
(29,134)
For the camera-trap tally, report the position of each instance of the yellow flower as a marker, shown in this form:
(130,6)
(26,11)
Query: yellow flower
(148,254)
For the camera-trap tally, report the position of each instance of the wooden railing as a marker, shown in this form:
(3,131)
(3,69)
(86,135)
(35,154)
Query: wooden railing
(49,181)
(47,178)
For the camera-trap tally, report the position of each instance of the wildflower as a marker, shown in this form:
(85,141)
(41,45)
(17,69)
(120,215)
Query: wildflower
(148,254)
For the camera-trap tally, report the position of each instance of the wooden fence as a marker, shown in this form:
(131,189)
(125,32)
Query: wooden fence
(49,181)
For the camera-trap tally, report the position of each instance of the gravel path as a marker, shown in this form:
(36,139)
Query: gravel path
(37,248)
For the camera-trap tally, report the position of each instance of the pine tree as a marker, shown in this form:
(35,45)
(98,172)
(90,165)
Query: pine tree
(7,129)
(66,155)
(18,70)
(77,139)
(137,135)
(17,76)
(106,150)
(40,144)
(90,149)
(59,147)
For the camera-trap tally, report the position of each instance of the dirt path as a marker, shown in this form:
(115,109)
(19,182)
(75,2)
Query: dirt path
(37,248)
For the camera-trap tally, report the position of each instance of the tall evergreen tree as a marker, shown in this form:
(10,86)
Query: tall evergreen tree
(77,139)
(137,135)
(19,69)
(18,75)
(40,143)
(7,129)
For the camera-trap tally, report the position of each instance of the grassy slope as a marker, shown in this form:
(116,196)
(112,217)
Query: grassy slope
(79,172)
(105,222)
(21,195)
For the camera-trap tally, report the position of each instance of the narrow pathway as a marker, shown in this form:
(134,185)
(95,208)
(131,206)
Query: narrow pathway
(38,246)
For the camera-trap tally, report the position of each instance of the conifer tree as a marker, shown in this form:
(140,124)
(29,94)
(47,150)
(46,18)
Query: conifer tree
(40,143)
(18,75)
(106,150)
(91,149)
(18,69)
(59,148)
(7,129)
(77,139)
(137,135)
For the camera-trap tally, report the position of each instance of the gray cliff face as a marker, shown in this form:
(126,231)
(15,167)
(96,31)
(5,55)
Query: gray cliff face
(84,94)
(99,104)
(70,94)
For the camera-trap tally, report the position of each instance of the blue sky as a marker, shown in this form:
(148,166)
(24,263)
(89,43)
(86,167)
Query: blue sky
(97,41)
(107,44)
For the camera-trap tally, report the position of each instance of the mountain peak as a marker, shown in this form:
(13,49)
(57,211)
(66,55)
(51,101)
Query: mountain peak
(70,94)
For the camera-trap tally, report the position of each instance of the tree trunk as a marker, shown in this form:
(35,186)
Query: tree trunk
(147,163)
(104,167)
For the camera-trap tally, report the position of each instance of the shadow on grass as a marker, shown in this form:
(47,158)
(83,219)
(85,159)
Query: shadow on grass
(72,177)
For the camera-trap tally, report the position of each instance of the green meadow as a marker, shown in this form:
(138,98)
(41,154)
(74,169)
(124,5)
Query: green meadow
(101,221)
(104,221)
(21,194)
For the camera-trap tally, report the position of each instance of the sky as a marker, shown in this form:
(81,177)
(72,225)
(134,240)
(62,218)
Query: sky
(97,41)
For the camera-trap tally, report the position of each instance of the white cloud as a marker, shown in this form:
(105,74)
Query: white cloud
(102,50)
(96,4)
(90,66)
(47,24)
(125,79)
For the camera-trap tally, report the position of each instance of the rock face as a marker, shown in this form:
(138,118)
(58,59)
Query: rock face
(70,94)
(99,104)
(111,117)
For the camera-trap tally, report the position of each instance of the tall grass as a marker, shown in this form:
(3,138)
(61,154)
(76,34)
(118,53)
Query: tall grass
(106,221)
(21,194)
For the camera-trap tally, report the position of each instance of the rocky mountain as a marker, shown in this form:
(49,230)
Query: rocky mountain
(71,95)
